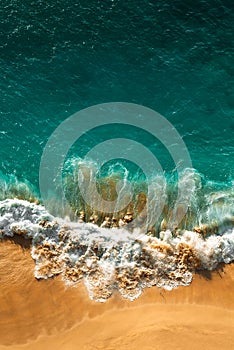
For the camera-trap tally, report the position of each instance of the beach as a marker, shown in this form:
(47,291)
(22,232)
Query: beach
(117,175)
(46,314)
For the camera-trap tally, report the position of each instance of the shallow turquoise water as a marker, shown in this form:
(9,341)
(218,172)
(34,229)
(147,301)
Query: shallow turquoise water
(60,57)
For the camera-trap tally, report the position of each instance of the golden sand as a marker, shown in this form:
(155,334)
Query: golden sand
(37,315)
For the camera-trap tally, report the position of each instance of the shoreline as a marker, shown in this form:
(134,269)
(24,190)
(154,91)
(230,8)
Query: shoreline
(46,314)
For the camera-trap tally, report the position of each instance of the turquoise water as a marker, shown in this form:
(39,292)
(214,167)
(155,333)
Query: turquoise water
(174,57)
(60,57)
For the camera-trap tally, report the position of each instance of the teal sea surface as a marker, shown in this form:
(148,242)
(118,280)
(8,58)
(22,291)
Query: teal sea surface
(59,57)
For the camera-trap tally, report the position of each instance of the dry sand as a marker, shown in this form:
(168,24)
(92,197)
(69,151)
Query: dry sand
(41,315)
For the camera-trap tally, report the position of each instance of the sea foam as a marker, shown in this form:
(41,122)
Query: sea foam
(112,259)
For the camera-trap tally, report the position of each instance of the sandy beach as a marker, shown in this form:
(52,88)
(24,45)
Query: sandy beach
(46,314)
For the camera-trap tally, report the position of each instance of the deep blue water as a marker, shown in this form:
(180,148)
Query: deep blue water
(59,57)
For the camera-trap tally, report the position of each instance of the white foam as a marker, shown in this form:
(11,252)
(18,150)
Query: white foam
(15,213)
(109,259)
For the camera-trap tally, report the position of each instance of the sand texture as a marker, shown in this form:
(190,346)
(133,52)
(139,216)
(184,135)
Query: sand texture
(46,314)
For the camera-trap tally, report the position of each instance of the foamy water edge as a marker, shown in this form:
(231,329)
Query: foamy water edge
(111,259)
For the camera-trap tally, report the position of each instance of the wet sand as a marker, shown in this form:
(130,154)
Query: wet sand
(37,315)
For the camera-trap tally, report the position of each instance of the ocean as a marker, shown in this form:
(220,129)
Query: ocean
(117,120)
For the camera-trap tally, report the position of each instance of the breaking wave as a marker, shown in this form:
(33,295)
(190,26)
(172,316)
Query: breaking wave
(109,259)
